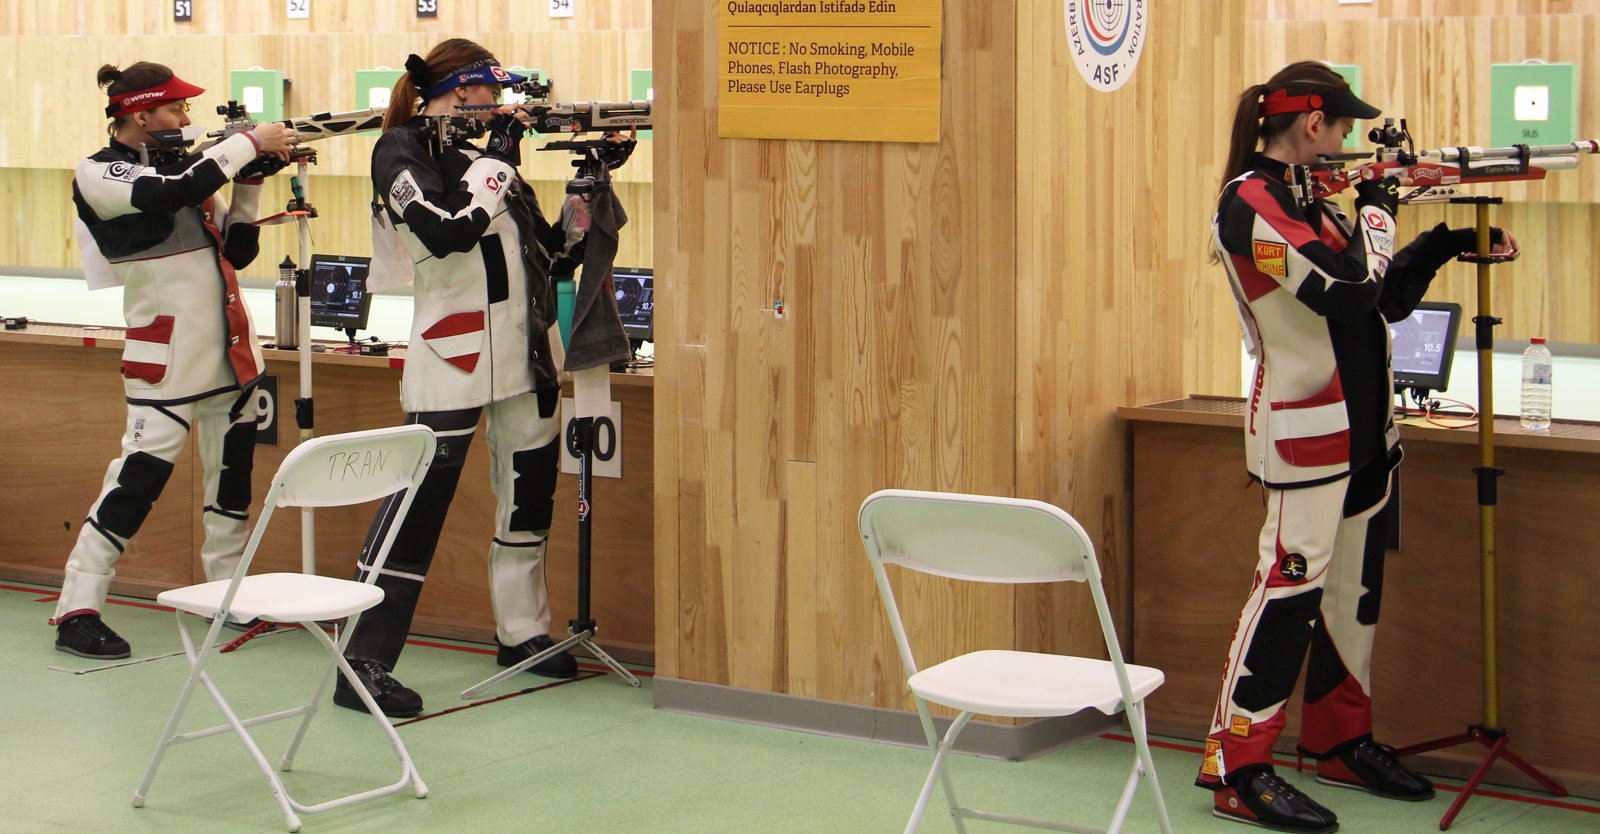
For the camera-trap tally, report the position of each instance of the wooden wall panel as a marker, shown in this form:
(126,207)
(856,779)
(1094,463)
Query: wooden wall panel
(892,366)
(962,316)
(1391,9)
(1116,302)
(213,17)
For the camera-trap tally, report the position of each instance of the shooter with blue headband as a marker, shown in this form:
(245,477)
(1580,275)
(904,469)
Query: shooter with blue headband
(459,222)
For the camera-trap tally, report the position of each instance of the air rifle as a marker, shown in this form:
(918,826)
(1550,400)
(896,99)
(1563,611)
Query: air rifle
(1431,172)
(175,143)
(594,155)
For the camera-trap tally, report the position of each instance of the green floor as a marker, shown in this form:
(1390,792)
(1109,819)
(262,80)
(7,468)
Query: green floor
(591,756)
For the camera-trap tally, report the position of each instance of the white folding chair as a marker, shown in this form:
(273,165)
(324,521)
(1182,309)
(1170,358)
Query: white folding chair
(325,472)
(1009,540)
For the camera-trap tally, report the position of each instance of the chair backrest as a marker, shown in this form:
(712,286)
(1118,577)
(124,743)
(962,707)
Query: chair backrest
(354,468)
(977,537)
(339,469)
(982,538)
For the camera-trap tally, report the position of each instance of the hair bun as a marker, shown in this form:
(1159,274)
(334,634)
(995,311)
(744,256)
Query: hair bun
(421,76)
(108,75)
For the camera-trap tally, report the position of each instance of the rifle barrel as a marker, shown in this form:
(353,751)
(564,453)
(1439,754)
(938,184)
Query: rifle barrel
(1533,151)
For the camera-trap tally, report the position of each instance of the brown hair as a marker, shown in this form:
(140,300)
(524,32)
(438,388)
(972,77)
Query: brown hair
(442,60)
(1251,131)
(140,76)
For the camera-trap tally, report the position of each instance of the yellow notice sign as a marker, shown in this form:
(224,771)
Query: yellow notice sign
(855,70)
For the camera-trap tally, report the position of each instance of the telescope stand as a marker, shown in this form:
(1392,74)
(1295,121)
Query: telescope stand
(582,629)
(1488,733)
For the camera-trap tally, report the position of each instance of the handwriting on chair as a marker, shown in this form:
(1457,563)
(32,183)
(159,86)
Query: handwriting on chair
(350,466)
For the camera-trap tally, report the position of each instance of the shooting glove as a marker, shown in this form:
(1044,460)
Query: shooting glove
(1383,193)
(505,138)
(615,154)
(260,168)
(1466,240)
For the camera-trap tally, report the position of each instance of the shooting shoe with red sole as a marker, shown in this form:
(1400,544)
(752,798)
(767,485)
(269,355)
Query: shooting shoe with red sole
(1265,799)
(1372,767)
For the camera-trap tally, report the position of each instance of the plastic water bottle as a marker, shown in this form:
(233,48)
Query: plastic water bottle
(1536,370)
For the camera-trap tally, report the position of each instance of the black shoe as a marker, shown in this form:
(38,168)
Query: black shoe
(1372,767)
(87,636)
(391,696)
(560,665)
(1263,798)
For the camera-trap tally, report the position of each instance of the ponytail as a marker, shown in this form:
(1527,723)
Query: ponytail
(402,103)
(1246,134)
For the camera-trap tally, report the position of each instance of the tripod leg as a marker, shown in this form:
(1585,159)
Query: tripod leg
(1437,744)
(562,646)
(615,666)
(1472,784)
(1534,773)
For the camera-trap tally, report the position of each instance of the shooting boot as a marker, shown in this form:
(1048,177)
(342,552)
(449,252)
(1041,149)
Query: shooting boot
(560,665)
(1372,767)
(1263,798)
(87,636)
(391,696)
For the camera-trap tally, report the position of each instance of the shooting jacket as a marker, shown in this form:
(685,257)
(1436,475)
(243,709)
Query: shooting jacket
(174,244)
(484,327)
(1315,293)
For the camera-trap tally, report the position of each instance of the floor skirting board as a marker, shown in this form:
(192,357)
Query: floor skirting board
(885,726)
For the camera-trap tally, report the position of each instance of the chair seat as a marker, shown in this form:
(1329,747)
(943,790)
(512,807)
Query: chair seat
(278,597)
(1027,684)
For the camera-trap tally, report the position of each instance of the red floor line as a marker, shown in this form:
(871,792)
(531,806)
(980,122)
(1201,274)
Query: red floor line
(1532,800)
(497,699)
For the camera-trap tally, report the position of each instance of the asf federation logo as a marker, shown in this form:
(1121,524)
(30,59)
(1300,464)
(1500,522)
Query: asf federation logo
(1106,38)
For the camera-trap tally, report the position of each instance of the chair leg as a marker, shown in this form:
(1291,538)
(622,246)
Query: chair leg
(1141,743)
(408,768)
(941,750)
(311,710)
(177,715)
(279,793)
(944,774)
(1126,799)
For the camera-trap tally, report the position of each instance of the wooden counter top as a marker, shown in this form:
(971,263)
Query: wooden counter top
(1562,436)
(52,333)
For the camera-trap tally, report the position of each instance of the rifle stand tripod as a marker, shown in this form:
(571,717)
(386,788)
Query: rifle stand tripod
(581,440)
(1489,733)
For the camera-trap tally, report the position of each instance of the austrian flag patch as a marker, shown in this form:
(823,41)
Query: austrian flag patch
(1272,258)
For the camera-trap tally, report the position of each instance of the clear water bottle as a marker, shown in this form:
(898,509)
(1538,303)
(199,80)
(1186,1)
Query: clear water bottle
(1536,369)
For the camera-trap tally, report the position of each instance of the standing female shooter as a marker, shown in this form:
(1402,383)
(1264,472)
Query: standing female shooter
(483,341)
(163,232)
(1315,294)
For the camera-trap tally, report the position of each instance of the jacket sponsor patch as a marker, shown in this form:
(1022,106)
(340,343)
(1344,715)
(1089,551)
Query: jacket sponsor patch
(403,192)
(1272,258)
(123,171)
(1380,232)
(1212,764)
(1239,726)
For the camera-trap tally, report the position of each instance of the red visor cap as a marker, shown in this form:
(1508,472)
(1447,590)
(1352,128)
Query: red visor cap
(174,89)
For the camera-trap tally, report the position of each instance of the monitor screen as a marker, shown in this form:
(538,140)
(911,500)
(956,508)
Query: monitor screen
(339,291)
(1424,345)
(636,302)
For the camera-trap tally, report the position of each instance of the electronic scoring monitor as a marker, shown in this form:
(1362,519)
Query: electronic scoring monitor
(339,295)
(1424,345)
(636,302)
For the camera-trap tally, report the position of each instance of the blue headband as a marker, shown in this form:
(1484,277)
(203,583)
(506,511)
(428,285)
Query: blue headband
(482,72)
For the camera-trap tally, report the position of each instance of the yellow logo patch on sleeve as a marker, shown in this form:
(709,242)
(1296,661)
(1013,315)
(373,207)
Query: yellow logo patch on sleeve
(1209,765)
(1240,725)
(1272,258)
